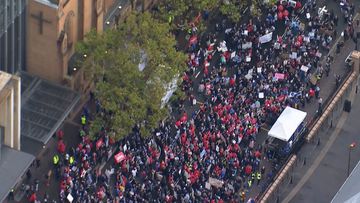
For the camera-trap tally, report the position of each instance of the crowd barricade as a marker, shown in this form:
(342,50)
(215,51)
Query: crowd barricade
(333,107)
(278,179)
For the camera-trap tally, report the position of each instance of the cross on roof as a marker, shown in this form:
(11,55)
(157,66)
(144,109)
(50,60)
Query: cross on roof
(41,20)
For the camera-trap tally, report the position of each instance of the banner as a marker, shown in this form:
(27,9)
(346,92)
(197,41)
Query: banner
(247,45)
(279,76)
(215,182)
(99,143)
(265,38)
(119,157)
(304,68)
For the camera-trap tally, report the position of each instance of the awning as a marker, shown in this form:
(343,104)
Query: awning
(44,107)
(287,123)
(13,165)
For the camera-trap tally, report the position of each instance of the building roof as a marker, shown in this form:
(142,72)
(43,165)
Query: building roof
(50,3)
(4,79)
(13,165)
(44,107)
(350,190)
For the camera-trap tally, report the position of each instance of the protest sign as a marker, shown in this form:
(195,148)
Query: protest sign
(265,38)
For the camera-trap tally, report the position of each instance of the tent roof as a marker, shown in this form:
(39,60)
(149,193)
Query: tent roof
(350,190)
(287,123)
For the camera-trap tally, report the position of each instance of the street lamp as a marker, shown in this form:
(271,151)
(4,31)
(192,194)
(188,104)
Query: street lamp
(351,146)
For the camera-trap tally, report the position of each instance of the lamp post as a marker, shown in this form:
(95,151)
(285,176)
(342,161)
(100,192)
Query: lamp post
(351,146)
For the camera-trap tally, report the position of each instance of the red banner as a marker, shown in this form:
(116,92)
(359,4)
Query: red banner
(99,143)
(119,157)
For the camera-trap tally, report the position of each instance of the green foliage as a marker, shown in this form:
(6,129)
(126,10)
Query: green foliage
(185,10)
(178,95)
(255,9)
(233,9)
(95,127)
(132,96)
(202,5)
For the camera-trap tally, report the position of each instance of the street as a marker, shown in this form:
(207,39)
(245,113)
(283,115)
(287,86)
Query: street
(311,191)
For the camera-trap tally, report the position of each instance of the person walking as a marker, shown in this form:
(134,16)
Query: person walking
(249,183)
(317,92)
(320,101)
(243,196)
(28,174)
(83,120)
(37,163)
(11,194)
(258,176)
(56,160)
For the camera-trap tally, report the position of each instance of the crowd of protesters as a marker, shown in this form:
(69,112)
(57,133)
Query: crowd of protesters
(210,155)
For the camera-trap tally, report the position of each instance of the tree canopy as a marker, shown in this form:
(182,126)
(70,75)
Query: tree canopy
(132,95)
(186,9)
(233,9)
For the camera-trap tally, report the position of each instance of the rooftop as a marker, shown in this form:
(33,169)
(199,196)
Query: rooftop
(350,190)
(44,107)
(13,164)
(4,79)
(51,3)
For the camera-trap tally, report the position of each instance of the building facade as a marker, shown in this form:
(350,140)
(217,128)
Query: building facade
(13,161)
(55,26)
(12,35)
(10,105)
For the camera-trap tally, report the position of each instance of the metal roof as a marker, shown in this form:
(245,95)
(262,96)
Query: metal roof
(4,79)
(13,165)
(350,190)
(44,107)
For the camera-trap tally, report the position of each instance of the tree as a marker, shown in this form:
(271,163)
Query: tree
(233,9)
(255,10)
(129,95)
(185,10)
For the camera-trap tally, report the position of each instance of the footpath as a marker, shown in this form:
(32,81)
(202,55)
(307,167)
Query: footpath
(38,172)
(322,168)
(324,175)
(328,87)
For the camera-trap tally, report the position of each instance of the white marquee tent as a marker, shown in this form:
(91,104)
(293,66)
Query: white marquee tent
(287,123)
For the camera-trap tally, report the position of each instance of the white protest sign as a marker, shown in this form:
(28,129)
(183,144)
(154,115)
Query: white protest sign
(261,95)
(247,45)
(265,38)
(293,55)
(304,68)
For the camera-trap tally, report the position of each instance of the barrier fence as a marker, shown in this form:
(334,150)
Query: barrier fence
(317,127)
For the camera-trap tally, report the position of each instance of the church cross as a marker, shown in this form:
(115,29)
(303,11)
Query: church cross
(41,21)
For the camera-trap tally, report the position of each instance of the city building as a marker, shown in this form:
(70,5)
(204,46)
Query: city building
(55,26)
(12,35)
(13,162)
(44,107)
(10,104)
(350,190)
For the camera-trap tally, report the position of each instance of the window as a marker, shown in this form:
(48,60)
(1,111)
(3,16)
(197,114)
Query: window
(2,134)
(2,16)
